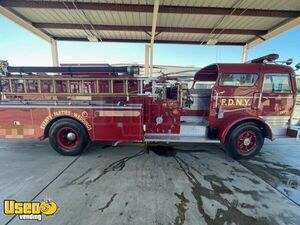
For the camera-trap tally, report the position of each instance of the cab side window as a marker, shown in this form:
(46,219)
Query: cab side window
(238,80)
(276,83)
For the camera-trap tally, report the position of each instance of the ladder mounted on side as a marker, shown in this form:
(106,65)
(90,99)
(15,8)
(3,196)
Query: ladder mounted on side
(69,83)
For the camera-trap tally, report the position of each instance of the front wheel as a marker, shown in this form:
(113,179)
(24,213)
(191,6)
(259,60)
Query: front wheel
(68,137)
(244,141)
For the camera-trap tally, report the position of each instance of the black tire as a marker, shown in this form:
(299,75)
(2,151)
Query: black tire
(59,141)
(237,141)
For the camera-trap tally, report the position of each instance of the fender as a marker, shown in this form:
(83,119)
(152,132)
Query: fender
(232,121)
(49,123)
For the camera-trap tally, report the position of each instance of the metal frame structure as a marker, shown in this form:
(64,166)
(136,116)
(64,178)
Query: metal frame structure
(147,8)
(23,23)
(290,19)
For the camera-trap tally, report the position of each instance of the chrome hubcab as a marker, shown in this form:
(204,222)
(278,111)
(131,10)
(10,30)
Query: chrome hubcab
(71,136)
(247,141)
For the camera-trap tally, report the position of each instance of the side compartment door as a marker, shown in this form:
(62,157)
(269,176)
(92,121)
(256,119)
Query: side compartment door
(277,101)
(118,123)
(16,123)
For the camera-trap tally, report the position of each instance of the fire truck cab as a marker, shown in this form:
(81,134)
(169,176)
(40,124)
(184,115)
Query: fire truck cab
(237,105)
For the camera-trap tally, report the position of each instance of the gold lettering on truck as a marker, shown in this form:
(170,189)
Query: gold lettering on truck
(230,102)
(81,117)
(244,102)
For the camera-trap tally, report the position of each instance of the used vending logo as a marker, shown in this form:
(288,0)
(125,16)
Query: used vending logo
(30,210)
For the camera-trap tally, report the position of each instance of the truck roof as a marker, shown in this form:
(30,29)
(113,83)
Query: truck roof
(210,72)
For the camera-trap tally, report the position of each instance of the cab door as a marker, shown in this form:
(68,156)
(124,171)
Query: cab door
(235,94)
(277,101)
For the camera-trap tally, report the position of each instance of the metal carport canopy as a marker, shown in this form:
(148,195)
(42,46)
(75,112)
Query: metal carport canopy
(202,22)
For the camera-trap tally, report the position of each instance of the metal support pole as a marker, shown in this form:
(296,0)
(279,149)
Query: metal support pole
(54,53)
(151,60)
(244,53)
(147,59)
(153,32)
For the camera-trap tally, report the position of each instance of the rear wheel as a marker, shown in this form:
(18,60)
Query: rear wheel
(244,141)
(68,137)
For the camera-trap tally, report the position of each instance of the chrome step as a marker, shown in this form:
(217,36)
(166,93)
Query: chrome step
(193,129)
(149,137)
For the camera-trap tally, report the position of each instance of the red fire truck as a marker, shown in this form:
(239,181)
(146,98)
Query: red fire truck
(238,105)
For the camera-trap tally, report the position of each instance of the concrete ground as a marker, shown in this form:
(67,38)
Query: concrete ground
(126,185)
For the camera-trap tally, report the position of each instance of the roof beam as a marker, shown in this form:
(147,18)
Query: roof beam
(147,41)
(148,29)
(149,8)
(18,20)
(274,32)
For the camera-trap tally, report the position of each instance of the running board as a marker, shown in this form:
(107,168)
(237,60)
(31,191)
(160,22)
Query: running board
(177,138)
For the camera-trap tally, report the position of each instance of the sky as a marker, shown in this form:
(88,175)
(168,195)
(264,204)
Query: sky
(22,48)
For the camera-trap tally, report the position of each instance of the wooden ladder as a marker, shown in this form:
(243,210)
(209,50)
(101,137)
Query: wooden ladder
(75,88)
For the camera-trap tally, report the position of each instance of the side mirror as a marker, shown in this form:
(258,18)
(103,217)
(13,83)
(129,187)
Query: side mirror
(297,66)
(289,62)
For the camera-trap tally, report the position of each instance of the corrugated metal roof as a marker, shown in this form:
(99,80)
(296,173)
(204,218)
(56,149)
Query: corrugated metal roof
(68,14)
(93,16)
(254,4)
